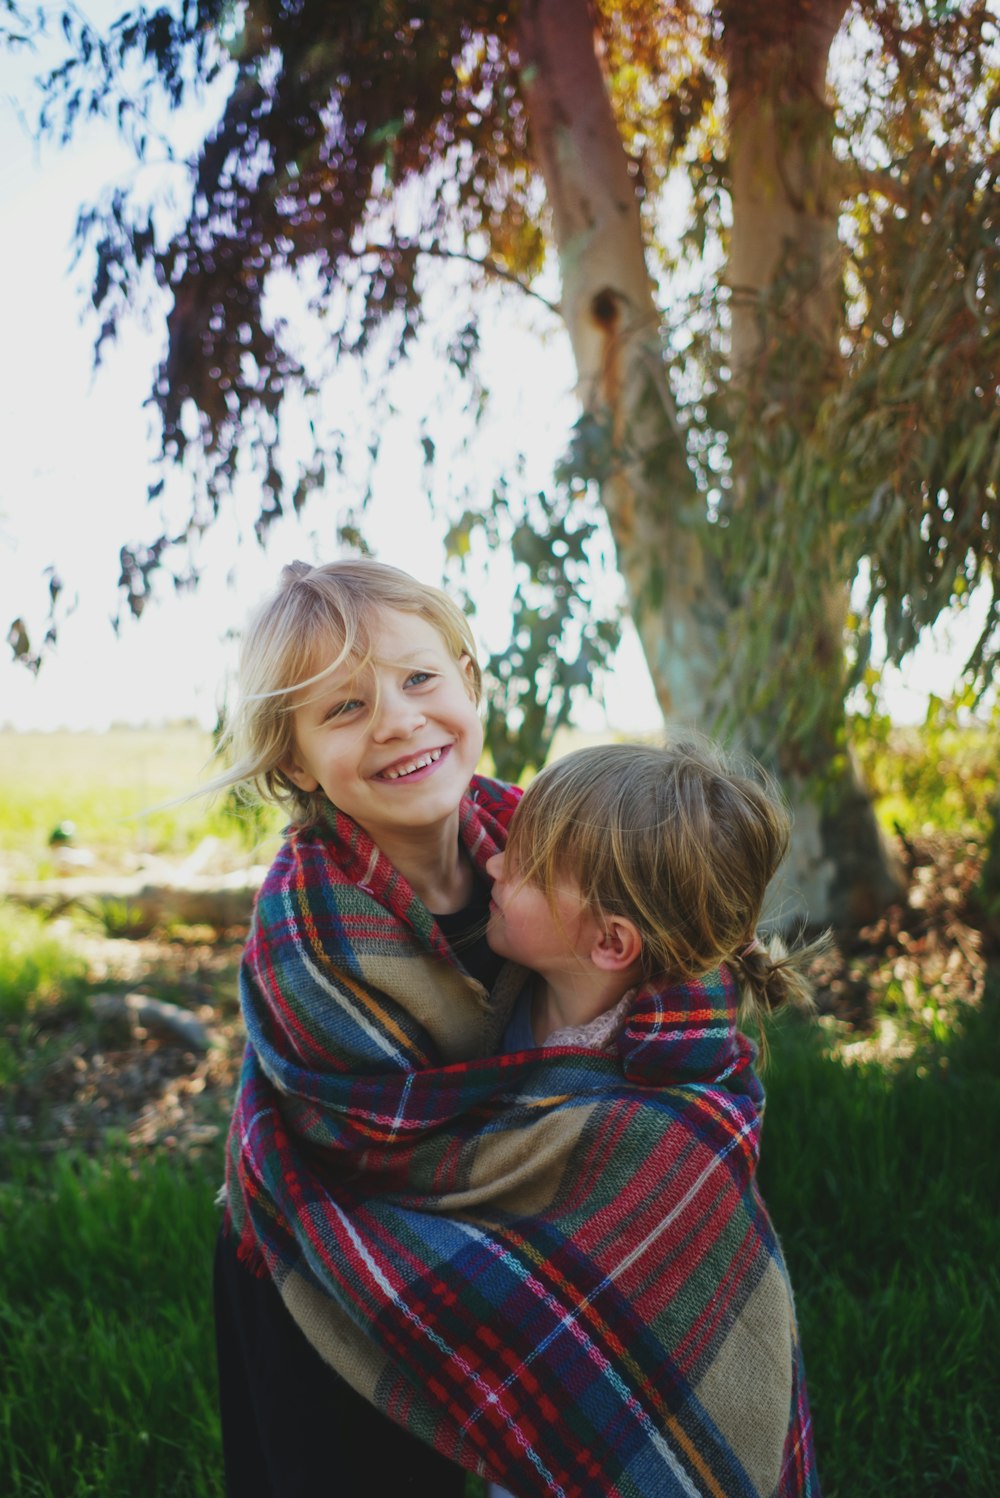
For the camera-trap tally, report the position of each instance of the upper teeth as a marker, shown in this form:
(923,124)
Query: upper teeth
(416,764)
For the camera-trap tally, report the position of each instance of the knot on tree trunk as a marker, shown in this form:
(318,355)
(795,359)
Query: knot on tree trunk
(604,309)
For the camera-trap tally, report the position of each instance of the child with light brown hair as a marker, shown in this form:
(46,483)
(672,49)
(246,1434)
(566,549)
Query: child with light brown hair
(628,863)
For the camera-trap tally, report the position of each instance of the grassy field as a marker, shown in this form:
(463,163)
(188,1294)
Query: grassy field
(116,788)
(107,1368)
(881,1182)
(878,1166)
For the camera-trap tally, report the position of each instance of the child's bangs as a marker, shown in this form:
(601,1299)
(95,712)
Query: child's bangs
(347,661)
(548,845)
(332,645)
(525,852)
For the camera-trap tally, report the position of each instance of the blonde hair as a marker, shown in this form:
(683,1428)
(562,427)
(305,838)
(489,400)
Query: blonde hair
(682,842)
(334,607)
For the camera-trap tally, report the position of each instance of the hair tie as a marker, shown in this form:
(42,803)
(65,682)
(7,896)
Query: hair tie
(752,946)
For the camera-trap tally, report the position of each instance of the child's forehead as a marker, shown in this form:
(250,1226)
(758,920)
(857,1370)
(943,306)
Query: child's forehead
(393,633)
(387,638)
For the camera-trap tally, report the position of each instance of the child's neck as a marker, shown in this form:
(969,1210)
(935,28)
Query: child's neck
(564,1002)
(436,868)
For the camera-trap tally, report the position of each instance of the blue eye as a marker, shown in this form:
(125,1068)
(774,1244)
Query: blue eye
(418,678)
(343,708)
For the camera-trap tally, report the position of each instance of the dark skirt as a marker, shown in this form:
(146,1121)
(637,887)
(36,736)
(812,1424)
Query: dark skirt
(291,1427)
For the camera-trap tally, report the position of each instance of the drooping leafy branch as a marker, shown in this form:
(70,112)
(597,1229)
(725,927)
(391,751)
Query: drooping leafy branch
(354,147)
(560,644)
(884,462)
(312,167)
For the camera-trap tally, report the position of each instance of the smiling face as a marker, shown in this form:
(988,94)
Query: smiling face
(396,745)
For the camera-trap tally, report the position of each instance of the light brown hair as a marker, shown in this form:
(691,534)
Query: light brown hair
(678,838)
(329,614)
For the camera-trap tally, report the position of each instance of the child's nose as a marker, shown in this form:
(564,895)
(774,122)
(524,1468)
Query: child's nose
(494,866)
(398,716)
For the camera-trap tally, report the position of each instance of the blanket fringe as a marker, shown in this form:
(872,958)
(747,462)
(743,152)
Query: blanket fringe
(248,1252)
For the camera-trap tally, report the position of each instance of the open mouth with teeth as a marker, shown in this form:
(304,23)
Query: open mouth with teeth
(409,769)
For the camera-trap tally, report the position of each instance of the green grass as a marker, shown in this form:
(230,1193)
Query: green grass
(107,1381)
(113,787)
(883,1185)
(37,966)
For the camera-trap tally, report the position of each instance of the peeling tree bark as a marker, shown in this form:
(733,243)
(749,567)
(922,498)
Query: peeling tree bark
(613,324)
(840,870)
(785,204)
(783,175)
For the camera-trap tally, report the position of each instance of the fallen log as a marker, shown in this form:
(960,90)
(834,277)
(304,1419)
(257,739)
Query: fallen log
(218,900)
(153,1014)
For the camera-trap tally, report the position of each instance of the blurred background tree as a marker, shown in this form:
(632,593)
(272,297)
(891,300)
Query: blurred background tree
(772,233)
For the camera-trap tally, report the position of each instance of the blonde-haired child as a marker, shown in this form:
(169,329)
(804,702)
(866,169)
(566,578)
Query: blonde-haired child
(324,627)
(358,714)
(628,863)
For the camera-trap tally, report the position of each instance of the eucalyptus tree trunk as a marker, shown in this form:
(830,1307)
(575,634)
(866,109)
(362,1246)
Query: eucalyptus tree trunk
(683,607)
(784,274)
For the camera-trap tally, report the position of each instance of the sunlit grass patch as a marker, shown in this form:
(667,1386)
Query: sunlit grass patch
(120,919)
(37,966)
(116,789)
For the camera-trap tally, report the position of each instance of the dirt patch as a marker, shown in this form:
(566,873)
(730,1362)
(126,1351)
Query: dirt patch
(907,976)
(85,1079)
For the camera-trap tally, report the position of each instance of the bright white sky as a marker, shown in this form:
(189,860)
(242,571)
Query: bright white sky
(76,464)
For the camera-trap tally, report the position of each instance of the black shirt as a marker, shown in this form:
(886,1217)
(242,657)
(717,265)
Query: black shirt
(466,933)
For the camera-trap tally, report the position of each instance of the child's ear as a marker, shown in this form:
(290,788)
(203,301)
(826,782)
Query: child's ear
(298,775)
(618,945)
(468,670)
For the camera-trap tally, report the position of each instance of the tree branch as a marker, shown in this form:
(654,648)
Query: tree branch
(491,267)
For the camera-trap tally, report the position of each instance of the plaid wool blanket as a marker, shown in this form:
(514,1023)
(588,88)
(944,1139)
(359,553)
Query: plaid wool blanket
(555,1267)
